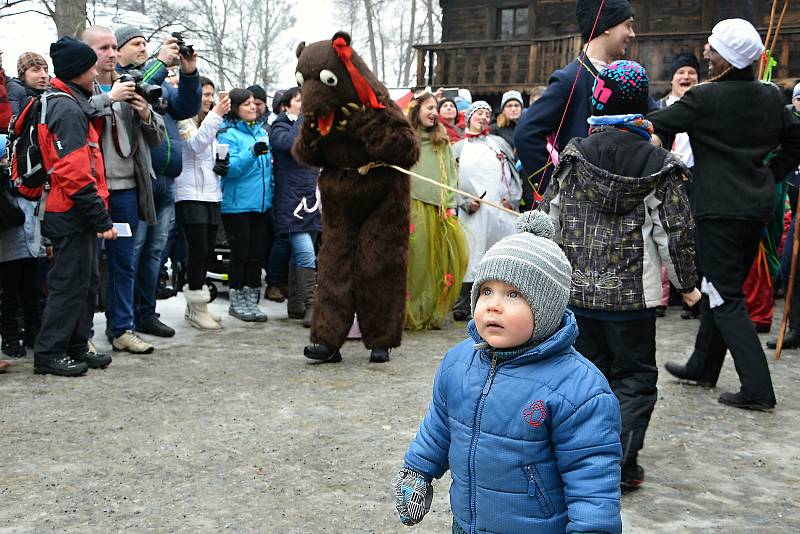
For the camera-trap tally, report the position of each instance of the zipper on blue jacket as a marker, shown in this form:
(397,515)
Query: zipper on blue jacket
(476,426)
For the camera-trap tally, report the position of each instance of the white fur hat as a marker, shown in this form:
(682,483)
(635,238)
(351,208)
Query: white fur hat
(737,41)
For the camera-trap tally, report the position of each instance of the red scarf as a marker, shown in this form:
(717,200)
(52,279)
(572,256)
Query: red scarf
(365,92)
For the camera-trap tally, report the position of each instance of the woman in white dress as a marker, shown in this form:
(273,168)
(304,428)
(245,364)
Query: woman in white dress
(486,170)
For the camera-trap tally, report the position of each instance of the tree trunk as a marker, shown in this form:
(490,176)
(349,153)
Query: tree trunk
(373,52)
(70,17)
(409,52)
(429,5)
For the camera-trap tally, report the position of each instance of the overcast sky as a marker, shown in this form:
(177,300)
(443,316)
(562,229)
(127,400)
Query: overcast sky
(34,33)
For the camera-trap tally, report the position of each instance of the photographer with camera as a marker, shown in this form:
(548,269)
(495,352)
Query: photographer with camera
(130,129)
(181,103)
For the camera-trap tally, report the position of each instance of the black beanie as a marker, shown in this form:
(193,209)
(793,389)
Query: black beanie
(441,103)
(258,92)
(614,12)
(71,58)
(685,59)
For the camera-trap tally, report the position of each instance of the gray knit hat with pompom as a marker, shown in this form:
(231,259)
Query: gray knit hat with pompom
(531,262)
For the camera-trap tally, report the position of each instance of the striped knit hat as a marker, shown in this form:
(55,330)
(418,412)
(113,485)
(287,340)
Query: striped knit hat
(28,60)
(531,262)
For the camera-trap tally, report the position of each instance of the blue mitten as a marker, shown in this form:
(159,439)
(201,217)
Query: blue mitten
(413,496)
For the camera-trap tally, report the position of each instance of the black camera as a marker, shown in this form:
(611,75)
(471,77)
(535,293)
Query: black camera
(151,93)
(185,50)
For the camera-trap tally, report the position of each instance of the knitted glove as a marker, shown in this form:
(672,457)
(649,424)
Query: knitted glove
(221,166)
(413,495)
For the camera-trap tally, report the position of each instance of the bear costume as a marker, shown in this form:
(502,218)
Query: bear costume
(349,121)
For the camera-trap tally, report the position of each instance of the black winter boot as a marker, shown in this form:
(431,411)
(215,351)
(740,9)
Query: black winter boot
(791,340)
(379,356)
(322,353)
(57,364)
(12,346)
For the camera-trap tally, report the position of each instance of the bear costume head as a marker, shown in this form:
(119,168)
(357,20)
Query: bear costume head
(335,81)
(349,119)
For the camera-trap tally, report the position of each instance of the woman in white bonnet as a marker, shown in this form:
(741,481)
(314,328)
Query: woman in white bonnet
(734,122)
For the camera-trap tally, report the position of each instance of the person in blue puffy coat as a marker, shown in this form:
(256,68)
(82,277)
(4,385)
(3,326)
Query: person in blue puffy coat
(246,201)
(528,427)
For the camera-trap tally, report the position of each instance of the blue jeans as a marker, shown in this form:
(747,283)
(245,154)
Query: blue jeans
(150,243)
(303,250)
(124,208)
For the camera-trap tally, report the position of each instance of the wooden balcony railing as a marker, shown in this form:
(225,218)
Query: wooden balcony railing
(496,66)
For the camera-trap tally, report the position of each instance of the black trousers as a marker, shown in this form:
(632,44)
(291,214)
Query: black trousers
(201,239)
(625,352)
(249,237)
(72,294)
(726,249)
(21,290)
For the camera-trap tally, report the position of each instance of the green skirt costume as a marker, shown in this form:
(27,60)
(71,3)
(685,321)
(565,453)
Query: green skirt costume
(437,261)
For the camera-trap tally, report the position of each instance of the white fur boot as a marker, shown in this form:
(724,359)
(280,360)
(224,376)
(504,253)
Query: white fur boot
(197,309)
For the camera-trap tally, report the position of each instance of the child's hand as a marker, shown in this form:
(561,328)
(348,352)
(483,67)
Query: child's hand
(413,495)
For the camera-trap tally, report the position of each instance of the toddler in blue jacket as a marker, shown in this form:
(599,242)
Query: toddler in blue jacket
(528,428)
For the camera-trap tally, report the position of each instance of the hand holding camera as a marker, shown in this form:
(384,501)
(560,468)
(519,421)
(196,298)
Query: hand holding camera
(260,148)
(141,107)
(150,93)
(188,56)
(122,91)
(169,52)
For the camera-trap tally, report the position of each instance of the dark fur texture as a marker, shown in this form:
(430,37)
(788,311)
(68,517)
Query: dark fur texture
(363,261)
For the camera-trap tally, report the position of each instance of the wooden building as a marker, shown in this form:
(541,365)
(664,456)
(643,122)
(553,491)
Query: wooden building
(491,46)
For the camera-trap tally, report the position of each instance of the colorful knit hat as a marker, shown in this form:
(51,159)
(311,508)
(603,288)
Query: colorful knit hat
(28,60)
(622,88)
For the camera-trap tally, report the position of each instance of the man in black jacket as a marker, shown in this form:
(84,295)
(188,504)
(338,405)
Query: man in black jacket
(612,34)
(734,123)
(76,214)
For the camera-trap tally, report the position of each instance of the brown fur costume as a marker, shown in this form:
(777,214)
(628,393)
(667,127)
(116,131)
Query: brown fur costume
(363,261)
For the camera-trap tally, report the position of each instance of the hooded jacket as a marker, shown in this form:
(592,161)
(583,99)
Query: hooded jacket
(248,185)
(296,201)
(531,442)
(620,211)
(197,180)
(70,144)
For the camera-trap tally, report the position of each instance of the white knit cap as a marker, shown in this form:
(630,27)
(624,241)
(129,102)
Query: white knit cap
(796,92)
(531,262)
(737,41)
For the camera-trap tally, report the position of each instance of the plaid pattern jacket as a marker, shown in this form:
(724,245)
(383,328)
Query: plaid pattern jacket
(617,231)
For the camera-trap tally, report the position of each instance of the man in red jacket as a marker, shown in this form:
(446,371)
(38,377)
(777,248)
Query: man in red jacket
(76,214)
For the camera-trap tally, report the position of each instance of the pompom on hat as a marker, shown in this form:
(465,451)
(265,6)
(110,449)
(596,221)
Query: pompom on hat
(737,41)
(535,265)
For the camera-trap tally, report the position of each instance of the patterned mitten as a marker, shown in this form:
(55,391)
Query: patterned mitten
(413,496)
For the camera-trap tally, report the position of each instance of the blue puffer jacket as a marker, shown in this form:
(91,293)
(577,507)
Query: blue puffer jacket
(532,442)
(248,184)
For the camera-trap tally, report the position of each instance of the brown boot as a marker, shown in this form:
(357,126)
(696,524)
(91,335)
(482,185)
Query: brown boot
(295,308)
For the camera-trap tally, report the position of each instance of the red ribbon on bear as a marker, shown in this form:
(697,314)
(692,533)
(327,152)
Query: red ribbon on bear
(365,92)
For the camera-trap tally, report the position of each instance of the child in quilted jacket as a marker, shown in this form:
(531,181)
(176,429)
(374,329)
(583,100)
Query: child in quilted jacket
(528,428)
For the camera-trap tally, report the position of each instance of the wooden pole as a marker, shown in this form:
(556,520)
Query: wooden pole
(778,27)
(762,64)
(787,303)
